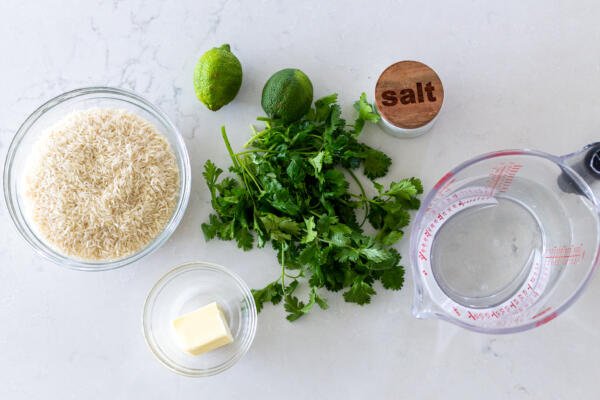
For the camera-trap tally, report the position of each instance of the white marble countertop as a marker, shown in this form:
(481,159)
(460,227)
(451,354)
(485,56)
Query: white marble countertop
(524,74)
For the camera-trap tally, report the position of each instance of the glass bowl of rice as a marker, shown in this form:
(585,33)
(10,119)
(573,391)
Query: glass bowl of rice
(97,178)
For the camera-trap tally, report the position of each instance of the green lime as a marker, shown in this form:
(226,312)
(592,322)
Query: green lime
(217,77)
(287,95)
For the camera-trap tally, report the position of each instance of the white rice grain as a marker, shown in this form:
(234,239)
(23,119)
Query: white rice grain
(101,184)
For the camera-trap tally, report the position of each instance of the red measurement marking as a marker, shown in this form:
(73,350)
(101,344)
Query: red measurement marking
(506,181)
(424,272)
(475,316)
(508,153)
(501,177)
(564,255)
(519,303)
(443,180)
(495,176)
(532,290)
(456,311)
(546,319)
(544,311)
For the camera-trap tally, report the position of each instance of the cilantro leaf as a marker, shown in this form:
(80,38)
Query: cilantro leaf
(348,254)
(391,261)
(297,308)
(359,293)
(279,229)
(310,255)
(376,163)
(322,106)
(366,112)
(294,307)
(392,238)
(311,233)
(393,278)
(334,183)
(404,189)
(317,162)
(317,279)
(278,196)
(340,235)
(295,170)
(417,184)
(273,293)
(211,228)
(375,254)
(211,174)
(244,239)
(320,301)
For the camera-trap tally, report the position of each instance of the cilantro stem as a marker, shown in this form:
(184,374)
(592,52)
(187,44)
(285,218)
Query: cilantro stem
(381,201)
(272,151)
(365,199)
(236,162)
(283,268)
(229,149)
(251,175)
(254,151)
(314,213)
(257,135)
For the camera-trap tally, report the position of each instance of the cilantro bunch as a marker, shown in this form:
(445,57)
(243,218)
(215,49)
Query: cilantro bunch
(290,188)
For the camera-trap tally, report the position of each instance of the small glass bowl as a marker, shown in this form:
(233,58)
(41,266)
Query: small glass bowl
(189,287)
(50,113)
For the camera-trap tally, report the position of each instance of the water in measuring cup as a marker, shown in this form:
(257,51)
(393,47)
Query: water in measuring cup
(483,255)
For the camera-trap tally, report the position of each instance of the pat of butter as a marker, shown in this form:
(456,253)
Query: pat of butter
(202,330)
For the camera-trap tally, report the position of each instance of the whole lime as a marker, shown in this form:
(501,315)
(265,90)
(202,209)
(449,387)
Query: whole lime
(217,77)
(287,95)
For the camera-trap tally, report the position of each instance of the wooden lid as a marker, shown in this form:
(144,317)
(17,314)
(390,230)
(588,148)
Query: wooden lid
(409,94)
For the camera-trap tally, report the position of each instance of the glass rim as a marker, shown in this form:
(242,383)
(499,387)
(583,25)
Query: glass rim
(157,289)
(39,245)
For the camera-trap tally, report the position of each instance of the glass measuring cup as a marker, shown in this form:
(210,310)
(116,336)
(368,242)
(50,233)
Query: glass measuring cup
(507,241)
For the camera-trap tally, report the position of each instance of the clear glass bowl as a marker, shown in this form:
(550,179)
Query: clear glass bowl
(51,112)
(184,289)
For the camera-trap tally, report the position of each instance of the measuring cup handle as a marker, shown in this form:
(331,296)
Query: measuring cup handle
(586,164)
(593,161)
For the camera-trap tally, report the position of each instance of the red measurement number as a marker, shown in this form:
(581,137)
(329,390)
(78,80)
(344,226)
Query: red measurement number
(559,256)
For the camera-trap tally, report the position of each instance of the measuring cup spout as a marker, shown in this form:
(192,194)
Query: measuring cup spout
(584,165)
(422,307)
